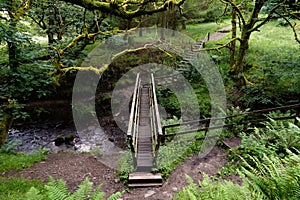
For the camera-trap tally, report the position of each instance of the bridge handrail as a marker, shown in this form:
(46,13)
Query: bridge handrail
(132,130)
(157,116)
(156,127)
(232,116)
(206,121)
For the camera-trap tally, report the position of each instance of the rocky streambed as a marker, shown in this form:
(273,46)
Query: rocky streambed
(60,136)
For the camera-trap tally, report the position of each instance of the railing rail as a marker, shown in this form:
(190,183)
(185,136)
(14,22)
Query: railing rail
(133,125)
(205,122)
(156,127)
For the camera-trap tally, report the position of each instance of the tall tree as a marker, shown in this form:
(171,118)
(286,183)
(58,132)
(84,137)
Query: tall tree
(12,12)
(249,21)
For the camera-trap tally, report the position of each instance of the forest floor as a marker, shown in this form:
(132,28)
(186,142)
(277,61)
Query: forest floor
(73,168)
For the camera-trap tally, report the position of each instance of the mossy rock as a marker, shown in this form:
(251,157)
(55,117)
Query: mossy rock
(69,139)
(59,140)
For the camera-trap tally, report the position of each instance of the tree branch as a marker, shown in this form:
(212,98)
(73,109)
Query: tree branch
(291,25)
(273,10)
(219,47)
(90,68)
(120,8)
(234,6)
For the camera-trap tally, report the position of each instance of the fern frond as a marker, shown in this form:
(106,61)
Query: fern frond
(33,194)
(56,190)
(84,190)
(98,194)
(115,196)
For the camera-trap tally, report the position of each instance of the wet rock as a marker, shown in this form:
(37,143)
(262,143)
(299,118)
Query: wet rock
(69,139)
(59,140)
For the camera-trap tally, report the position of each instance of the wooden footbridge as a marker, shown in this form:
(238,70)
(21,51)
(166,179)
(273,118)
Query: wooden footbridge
(145,133)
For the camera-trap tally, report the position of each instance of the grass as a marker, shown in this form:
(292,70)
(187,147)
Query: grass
(199,31)
(9,161)
(16,188)
(272,62)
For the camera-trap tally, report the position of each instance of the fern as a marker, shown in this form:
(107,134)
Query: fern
(84,190)
(33,194)
(115,196)
(56,190)
(210,189)
(274,178)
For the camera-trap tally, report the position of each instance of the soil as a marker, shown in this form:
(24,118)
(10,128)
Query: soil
(74,168)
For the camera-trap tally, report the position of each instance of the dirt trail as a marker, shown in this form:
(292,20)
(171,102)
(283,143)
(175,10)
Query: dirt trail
(220,33)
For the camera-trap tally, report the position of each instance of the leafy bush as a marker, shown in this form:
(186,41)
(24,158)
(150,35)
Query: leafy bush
(275,138)
(26,82)
(125,166)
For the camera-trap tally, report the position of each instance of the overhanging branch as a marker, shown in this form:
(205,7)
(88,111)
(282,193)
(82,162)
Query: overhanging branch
(273,10)
(125,9)
(219,47)
(234,6)
(291,25)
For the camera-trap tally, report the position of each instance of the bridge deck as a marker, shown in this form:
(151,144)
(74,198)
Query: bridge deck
(144,155)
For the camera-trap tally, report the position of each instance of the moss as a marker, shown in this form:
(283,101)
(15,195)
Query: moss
(5,125)
(59,140)
(69,139)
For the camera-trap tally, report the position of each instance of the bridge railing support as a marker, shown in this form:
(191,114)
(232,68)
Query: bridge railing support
(133,125)
(156,127)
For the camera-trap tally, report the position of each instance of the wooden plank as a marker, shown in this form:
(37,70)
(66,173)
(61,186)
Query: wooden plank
(144,175)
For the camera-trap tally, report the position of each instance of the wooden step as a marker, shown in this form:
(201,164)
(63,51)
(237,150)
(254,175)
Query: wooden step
(144,179)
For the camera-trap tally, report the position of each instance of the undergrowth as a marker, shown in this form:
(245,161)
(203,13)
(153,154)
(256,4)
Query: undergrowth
(10,159)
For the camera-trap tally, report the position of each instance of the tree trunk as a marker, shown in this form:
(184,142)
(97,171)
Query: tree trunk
(13,48)
(237,70)
(164,26)
(5,125)
(233,43)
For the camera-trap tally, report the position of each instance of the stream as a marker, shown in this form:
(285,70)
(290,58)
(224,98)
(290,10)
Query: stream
(28,138)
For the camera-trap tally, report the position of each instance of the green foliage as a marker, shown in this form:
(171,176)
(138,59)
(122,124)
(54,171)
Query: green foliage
(275,138)
(16,188)
(176,151)
(236,121)
(56,190)
(255,97)
(272,177)
(202,11)
(214,189)
(125,166)
(199,31)
(10,159)
(27,82)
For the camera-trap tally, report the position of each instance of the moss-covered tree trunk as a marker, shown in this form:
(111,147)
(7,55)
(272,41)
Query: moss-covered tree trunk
(233,43)
(247,27)
(5,125)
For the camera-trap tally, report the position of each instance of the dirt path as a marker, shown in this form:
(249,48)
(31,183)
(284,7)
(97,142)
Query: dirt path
(220,33)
